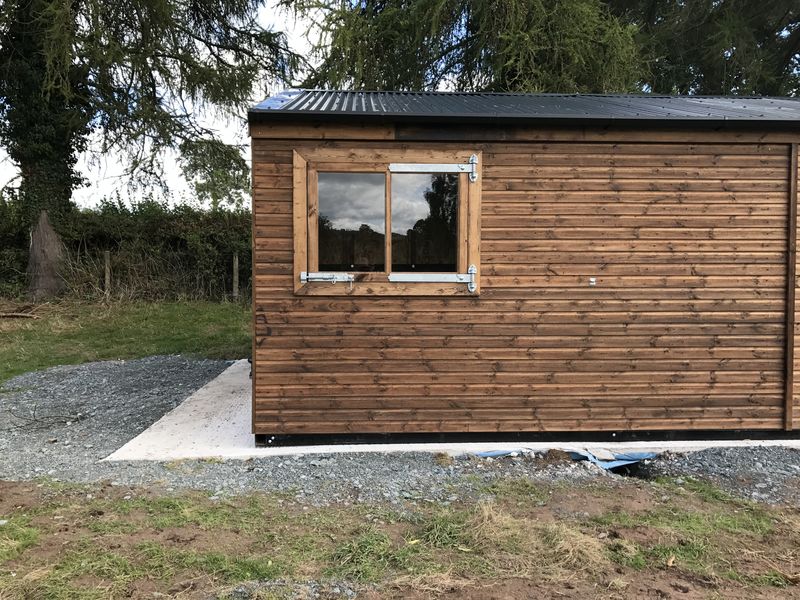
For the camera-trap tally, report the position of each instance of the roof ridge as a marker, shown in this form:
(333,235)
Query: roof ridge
(545,94)
(495,107)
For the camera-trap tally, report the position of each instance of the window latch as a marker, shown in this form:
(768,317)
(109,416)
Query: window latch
(331,277)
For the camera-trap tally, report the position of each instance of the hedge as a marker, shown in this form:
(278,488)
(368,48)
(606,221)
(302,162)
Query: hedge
(157,251)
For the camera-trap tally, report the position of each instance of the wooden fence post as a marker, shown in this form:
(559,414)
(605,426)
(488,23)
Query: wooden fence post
(107,266)
(235,292)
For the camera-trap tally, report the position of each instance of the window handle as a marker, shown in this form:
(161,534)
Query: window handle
(305,277)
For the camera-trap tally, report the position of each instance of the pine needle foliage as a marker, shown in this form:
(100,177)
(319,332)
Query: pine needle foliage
(138,75)
(472,45)
(729,47)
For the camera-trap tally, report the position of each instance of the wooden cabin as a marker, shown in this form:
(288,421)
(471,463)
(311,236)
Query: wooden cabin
(455,262)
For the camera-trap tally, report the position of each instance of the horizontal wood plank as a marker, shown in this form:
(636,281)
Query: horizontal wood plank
(684,327)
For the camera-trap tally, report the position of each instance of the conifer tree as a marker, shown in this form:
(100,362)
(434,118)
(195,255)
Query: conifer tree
(486,45)
(728,47)
(137,74)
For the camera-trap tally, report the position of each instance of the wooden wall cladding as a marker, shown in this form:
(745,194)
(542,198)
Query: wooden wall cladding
(792,416)
(685,328)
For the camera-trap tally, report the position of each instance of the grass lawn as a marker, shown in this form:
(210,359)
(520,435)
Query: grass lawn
(71,333)
(634,539)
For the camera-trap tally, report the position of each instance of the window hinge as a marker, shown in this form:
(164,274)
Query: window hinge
(472,285)
(469,278)
(471,167)
(473,171)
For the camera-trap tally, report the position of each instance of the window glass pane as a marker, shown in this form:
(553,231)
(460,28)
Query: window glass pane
(352,221)
(424,223)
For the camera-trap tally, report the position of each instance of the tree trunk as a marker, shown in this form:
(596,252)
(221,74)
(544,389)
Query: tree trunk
(44,261)
(44,129)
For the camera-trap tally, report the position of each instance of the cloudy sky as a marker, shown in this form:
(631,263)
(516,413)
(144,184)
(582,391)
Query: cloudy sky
(350,200)
(106,173)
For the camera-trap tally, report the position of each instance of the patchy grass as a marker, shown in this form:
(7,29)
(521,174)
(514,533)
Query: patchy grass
(704,490)
(366,557)
(72,333)
(627,553)
(519,489)
(692,554)
(15,536)
(58,545)
(160,561)
(705,531)
(690,522)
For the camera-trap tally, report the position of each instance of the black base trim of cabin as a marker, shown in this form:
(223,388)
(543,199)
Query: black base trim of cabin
(266,441)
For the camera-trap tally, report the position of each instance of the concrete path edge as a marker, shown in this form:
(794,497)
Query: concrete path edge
(216,422)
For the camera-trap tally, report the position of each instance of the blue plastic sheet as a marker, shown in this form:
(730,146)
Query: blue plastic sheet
(497,453)
(620,460)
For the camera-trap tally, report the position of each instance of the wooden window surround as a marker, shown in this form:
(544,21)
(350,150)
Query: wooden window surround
(307,163)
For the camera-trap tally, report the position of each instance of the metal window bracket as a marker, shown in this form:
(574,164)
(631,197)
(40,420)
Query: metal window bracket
(469,278)
(327,277)
(470,167)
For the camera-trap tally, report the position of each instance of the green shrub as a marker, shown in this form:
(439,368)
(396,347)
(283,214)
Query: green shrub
(157,251)
(14,242)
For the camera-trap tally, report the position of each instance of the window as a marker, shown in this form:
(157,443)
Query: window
(351,226)
(424,222)
(386,222)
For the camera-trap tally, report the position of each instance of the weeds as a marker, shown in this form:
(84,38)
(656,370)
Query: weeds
(627,553)
(364,558)
(15,536)
(447,529)
(117,544)
(519,489)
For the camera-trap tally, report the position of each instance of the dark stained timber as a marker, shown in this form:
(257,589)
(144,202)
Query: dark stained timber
(628,281)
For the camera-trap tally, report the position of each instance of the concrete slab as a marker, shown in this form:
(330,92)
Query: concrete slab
(215,422)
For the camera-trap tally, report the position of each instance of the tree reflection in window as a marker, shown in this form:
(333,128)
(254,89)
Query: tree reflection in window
(424,222)
(352,221)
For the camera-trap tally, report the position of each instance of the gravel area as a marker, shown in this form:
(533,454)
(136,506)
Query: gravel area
(768,474)
(318,480)
(307,590)
(60,422)
(415,477)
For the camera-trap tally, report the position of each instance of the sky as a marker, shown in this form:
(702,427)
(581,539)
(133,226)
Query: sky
(350,200)
(105,173)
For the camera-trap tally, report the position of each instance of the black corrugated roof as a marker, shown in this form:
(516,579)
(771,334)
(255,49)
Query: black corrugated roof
(329,105)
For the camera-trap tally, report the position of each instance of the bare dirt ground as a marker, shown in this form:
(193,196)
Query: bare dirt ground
(722,523)
(613,538)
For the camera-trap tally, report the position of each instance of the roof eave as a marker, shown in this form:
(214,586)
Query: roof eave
(277,116)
